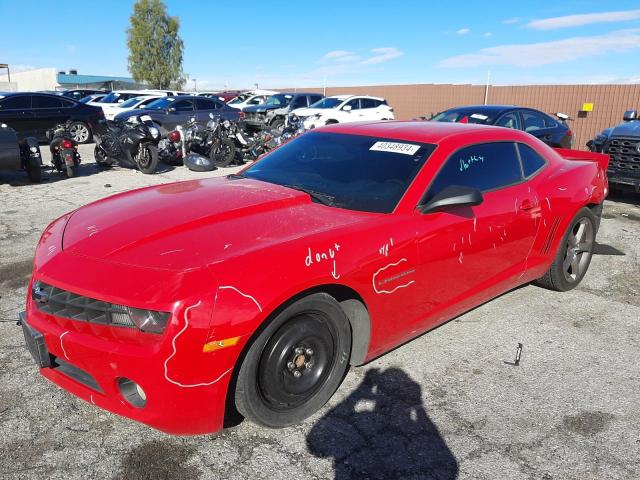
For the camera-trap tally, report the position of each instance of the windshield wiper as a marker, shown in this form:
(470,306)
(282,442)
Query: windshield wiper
(323,198)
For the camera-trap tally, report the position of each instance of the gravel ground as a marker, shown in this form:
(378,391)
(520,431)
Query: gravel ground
(447,405)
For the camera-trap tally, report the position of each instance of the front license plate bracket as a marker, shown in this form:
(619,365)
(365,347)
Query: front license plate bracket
(35,343)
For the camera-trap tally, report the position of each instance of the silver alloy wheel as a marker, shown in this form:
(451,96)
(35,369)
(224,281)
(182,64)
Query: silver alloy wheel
(79,132)
(578,250)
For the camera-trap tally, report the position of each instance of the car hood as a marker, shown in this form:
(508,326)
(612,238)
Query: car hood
(187,225)
(307,112)
(627,129)
(261,108)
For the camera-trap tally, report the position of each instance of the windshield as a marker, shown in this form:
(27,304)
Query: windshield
(279,100)
(368,174)
(132,102)
(161,103)
(240,98)
(464,115)
(327,103)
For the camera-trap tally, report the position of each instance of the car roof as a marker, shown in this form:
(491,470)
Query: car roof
(297,93)
(485,108)
(415,130)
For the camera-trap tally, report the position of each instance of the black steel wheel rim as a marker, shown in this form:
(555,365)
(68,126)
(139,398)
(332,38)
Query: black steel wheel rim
(296,361)
(144,157)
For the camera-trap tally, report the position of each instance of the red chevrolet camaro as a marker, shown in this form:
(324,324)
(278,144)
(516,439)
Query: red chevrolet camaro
(173,304)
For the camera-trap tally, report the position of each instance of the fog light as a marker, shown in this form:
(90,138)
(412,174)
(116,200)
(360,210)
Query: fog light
(132,392)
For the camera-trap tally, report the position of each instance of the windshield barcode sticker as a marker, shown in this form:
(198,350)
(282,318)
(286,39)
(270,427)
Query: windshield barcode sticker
(392,147)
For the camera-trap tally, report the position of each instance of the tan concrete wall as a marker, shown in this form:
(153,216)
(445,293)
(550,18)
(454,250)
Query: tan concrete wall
(33,80)
(411,101)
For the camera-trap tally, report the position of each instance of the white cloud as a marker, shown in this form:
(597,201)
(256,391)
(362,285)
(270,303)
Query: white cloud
(339,56)
(381,55)
(545,53)
(487,34)
(583,19)
(509,21)
(463,31)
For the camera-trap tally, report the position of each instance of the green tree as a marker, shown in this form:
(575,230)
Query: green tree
(155,48)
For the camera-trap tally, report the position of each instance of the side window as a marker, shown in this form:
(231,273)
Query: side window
(549,122)
(66,103)
(314,98)
(368,103)
(509,120)
(531,161)
(299,102)
(183,106)
(41,101)
(485,166)
(532,121)
(205,104)
(354,104)
(19,102)
(146,102)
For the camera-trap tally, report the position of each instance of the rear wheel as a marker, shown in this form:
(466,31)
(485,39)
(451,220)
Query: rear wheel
(574,255)
(80,132)
(277,123)
(296,364)
(33,170)
(71,171)
(147,158)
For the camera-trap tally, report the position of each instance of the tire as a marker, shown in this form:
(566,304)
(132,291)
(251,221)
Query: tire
(574,254)
(33,170)
(80,132)
(295,364)
(223,153)
(147,158)
(277,123)
(71,171)
(101,158)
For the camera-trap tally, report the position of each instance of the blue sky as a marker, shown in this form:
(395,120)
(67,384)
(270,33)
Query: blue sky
(295,44)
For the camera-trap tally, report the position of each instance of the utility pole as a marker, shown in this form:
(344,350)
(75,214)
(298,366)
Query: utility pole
(195,85)
(486,87)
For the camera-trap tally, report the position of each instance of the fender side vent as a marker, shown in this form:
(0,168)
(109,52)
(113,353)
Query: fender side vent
(550,236)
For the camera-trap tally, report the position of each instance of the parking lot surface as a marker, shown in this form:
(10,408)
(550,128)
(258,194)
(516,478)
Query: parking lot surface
(449,404)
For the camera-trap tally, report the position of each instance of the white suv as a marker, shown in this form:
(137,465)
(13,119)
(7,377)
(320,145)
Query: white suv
(344,109)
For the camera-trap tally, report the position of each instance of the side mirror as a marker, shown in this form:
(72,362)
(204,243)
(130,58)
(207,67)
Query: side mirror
(347,108)
(630,115)
(3,125)
(453,196)
(171,110)
(120,101)
(211,115)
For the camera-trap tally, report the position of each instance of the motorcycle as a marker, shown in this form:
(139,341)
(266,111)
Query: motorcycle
(20,154)
(133,143)
(171,149)
(222,149)
(64,149)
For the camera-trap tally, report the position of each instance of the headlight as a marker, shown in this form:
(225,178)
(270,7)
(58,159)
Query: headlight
(34,149)
(148,321)
(155,133)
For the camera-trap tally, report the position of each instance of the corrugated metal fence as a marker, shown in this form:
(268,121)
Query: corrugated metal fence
(411,101)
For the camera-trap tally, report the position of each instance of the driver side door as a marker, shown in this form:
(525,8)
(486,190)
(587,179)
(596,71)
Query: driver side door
(468,255)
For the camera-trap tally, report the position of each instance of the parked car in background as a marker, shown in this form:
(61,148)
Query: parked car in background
(257,291)
(274,111)
(169,112)
(248,99)
(344,109)
(552,131)
(622,144)
(96,97)
(80,93)
(224,96)
(113,109)
(121,96)
(32,114)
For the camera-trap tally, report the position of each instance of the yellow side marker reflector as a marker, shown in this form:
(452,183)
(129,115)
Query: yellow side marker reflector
(220,344)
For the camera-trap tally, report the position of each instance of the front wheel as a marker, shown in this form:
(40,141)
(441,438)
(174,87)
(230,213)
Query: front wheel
(101,157)
(147,158)
(574,254)
(296,363)
(223,152)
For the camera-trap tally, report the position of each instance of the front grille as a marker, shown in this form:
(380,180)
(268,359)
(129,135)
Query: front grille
(254,117)
(624,154)
(61,303)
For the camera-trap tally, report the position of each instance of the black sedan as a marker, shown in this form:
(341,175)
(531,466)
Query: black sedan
(32,114)
(552,131)
(170,112)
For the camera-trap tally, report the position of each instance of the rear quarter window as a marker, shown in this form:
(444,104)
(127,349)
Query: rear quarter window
(531,161)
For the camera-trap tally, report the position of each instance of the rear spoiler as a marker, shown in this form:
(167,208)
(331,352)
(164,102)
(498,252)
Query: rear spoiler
(600,158)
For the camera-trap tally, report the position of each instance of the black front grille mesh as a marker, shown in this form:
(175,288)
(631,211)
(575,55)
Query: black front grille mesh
(62,303)
(624,155)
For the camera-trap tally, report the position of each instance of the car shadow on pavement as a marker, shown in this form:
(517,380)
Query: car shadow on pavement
(603,249)
(382,430)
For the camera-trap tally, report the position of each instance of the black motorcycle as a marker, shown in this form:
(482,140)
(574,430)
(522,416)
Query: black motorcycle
(132,143)
(222,148)
(20,154)
(171,149)
(64,149)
